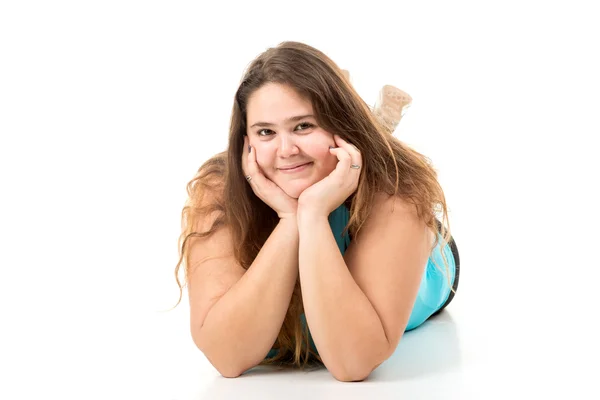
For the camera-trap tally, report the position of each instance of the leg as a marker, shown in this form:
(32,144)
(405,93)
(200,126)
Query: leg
(391,105)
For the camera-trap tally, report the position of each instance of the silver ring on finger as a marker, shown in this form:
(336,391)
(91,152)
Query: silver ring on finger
(355,166)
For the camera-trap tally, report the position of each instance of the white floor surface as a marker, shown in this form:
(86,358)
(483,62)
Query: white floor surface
(108,108)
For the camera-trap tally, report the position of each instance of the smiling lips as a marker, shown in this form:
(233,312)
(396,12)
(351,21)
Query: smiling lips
(298,168)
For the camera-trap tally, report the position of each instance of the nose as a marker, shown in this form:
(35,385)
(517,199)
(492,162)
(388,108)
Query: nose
(287,146)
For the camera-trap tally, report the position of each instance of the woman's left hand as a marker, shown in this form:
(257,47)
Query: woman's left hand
(323,197)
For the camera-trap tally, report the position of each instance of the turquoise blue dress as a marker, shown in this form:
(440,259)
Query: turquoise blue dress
(434,289)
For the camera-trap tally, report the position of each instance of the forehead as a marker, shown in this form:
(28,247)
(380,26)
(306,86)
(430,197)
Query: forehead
(274,102)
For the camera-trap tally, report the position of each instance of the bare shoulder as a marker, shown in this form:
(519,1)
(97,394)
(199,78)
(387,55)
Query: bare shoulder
(392,231)
(389,210)
(391,202)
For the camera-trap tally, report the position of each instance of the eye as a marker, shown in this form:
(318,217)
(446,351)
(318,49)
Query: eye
(306,125)
(260,133)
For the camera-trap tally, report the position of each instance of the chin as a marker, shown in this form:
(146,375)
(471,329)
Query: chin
(295,190)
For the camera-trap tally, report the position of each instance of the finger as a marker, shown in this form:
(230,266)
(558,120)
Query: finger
(251,166)
(347,145)
(245,156)
(344,161)
(254,171)
(350,148)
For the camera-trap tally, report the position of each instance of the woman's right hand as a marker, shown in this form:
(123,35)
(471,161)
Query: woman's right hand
(266,190)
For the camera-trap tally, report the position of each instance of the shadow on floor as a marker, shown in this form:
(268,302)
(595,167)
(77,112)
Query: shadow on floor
(432,348)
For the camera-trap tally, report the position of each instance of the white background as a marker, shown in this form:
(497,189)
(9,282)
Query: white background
(108,108)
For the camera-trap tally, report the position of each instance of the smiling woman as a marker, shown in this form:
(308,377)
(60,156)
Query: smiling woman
(317,236)
(292,126)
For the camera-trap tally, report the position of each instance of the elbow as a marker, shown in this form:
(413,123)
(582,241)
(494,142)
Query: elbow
(350,373)
(233,368)
(223,363)
(229,371)
(226,367)
(355,370)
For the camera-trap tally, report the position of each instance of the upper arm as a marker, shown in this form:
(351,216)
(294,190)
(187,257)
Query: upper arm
(212,271)
(387,260)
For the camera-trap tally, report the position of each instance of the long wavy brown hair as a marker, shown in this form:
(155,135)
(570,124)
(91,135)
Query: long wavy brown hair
(389,166)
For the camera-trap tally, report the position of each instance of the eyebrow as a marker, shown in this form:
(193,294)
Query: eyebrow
(291,119)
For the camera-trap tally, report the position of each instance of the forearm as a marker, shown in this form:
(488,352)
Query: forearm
(344,325)
(241,327)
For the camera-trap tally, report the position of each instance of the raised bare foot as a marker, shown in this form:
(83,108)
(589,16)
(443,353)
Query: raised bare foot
(346,74)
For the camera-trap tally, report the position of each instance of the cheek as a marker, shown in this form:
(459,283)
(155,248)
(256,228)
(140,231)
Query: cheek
(262,157)
(326,160)
(264,160)
(320,152)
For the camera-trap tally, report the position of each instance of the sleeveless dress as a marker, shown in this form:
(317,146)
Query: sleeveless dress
(433,290)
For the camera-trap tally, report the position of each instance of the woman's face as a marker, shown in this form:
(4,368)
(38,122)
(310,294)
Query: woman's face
(282,129)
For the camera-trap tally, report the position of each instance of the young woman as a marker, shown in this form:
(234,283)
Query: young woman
(317,236)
